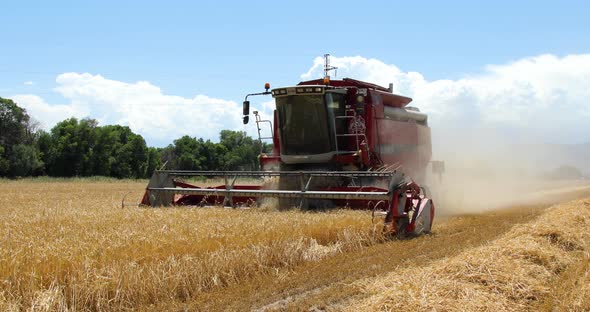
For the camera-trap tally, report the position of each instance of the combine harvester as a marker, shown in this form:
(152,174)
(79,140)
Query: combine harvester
(335,143)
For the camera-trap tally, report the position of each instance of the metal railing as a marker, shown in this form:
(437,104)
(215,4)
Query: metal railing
(359,137)
(259,120)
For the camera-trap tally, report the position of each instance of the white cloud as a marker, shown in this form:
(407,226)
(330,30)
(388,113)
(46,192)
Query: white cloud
(28,83)
(147,110)
(48,115)
(160,118)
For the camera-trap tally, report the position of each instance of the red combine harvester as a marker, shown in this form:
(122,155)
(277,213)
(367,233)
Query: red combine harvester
(341,143)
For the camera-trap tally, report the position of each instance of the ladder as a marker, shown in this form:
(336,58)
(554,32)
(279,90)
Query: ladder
(349,114)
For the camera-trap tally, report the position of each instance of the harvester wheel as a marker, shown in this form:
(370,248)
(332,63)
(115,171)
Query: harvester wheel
(424,219)
(401,225)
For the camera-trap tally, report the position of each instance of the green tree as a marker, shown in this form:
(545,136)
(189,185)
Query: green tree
(4,163)
(107,141)
(154,161)
(119,152)
(46,149)
(72,148)
(187,154)
(73,142)
(18,152)
(242,150)
(213,155)
(131,158)
(14,124)
(168,157)
(81,148)
(25,160)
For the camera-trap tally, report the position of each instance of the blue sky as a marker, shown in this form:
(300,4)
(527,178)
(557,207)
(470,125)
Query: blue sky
(223,49)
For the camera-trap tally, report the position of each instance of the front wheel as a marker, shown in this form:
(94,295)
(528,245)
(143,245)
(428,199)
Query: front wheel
(423,222)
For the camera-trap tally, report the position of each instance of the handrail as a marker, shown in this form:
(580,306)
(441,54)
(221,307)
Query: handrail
(357,135)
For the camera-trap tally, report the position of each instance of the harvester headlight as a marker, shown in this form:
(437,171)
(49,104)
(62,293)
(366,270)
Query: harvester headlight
(309,90)
(279,91)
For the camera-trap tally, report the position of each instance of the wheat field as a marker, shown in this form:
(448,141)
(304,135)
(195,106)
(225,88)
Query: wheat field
(542,265)
(68,244)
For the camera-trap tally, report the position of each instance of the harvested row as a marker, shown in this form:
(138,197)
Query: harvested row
(542,264)
(71,245)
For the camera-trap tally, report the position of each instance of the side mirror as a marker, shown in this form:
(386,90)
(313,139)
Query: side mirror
(246,108)
(246,119)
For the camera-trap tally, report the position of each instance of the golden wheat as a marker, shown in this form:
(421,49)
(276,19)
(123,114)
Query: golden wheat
(70,245)
(522,270)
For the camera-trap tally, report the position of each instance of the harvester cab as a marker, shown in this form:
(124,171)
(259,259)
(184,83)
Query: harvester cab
(336,143)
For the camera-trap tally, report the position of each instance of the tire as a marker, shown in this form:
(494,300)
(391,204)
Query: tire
(424,220)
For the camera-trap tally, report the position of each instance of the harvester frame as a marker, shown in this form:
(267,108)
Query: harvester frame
(337,142)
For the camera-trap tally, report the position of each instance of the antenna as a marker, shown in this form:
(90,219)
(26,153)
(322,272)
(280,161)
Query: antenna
(327,67)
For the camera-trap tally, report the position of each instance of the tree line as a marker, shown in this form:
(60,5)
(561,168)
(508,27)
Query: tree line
(83,148)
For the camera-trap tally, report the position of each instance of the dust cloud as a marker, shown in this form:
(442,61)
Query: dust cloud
(486,170)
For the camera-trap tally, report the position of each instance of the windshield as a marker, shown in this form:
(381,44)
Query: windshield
(304,125)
